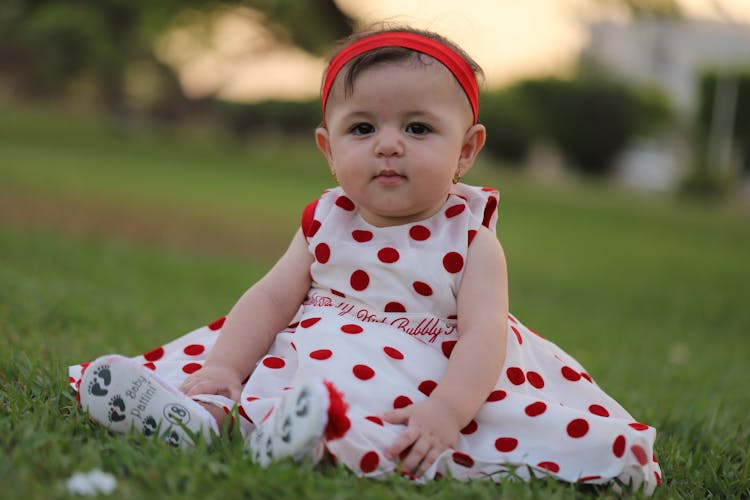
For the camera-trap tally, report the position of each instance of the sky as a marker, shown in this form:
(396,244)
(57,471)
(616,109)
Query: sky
(510,39)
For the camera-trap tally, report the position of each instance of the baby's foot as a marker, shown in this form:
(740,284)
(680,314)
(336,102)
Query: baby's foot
(294,428)
(139,399)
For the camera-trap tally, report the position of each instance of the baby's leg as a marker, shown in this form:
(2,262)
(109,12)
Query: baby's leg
(121,394)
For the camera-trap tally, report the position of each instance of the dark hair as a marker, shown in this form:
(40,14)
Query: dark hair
(360,63)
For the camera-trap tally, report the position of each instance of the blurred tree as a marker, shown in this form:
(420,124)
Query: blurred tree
(589,120)
(310,24)
(48,45)
(640,9)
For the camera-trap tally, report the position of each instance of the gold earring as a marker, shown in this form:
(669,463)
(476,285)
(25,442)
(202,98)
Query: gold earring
(335,179)
(457,177)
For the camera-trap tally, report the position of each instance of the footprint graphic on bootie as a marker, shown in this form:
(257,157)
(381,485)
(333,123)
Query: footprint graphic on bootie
(173,439)
(149,425)
(102,379)
(117,409)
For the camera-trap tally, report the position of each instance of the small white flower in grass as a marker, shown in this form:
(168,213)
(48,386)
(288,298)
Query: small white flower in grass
(93,482)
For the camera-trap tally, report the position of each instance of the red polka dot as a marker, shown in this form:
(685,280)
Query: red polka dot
(455,210)
(427,386)
(252,398)
(472,234)
(419,233)
(506,444)
(345,203)
(536,409)
(587,377)
(578,428)
(588,478)
(194,349)
(352,329)
(658,478)
(375,420)
(388,255)
(489,210)
(393,352)
(640,454)
(550,466)
(217,324)
(453,262)
(243,414)
(322,253)
(314,226)
(618,447)
(363,372)
(154,354)
(515,375)
(395,307)
(336,292)
(274,362)
(361,236)
(308,322)
(599,410)
(497,395)
(359,280)
(535,379)
(369,462)
(401,402)
(191,368)
(422,288)
(462,459)
(148,365)
(638,426)
(470,428)
(570,374)
(321,354)
(447,347)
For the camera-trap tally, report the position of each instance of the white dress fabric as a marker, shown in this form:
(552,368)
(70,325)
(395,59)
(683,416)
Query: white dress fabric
(380,323)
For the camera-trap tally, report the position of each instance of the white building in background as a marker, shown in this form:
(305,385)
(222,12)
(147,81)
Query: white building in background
(672,54)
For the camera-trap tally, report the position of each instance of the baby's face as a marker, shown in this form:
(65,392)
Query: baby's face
(396,141)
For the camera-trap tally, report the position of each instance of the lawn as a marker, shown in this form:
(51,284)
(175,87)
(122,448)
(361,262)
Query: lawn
(114,242)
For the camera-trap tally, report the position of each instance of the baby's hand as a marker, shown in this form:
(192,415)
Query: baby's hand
(213,380)
(431,428)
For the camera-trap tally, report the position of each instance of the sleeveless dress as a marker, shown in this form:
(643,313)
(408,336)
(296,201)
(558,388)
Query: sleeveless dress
(380,323)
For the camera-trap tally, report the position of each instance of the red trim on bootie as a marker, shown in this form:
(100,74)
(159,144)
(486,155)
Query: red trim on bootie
(338,422)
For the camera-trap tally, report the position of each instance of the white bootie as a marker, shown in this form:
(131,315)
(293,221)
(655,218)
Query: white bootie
(121,395)
(294,428)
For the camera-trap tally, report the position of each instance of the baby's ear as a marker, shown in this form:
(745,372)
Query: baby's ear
(474,140)
(323,143)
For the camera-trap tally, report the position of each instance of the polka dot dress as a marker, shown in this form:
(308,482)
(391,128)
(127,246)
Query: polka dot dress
(380,323)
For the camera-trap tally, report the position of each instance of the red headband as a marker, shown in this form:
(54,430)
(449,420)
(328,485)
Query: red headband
(452,60)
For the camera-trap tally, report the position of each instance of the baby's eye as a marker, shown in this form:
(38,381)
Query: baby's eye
(417,128)
(362,129)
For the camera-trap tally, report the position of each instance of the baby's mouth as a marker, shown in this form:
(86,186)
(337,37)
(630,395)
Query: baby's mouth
(390,174)
(389,177)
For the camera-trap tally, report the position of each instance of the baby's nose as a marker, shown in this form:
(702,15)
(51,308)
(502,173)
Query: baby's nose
(389,143)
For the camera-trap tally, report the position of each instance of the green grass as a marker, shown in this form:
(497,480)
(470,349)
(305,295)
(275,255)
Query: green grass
(650,295)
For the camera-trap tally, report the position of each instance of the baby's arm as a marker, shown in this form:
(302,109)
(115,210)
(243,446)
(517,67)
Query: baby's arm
(250,327)
(475,364)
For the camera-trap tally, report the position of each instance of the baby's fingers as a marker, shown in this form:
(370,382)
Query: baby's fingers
(400,416)
(429,460)
(416,455)
(402,442)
